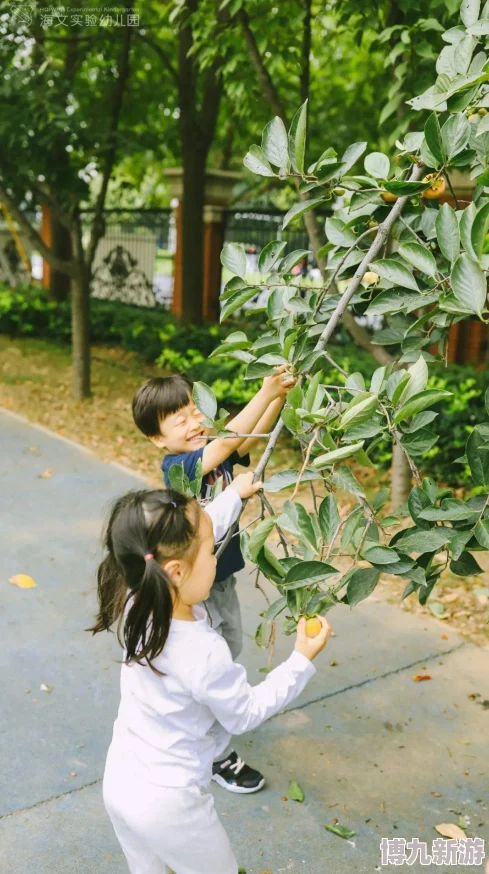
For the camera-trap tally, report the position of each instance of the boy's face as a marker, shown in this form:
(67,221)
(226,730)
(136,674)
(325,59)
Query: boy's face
(182,431)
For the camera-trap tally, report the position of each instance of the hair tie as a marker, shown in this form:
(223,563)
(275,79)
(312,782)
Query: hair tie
(148,556)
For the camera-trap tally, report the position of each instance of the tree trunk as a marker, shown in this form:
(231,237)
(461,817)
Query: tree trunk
(80,326)
(59,283)
(400,477)
(194,162)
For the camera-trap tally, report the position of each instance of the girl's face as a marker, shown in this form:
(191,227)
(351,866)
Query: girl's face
(193,578)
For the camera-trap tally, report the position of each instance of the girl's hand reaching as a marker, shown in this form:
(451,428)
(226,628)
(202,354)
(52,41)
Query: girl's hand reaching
(244,485)
(310,647)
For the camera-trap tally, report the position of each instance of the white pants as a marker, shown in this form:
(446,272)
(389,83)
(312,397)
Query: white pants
(162,829)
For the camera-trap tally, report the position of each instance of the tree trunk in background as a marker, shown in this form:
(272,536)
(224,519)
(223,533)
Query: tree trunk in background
(80,341)
(401,477)
(194,162)
(59,283)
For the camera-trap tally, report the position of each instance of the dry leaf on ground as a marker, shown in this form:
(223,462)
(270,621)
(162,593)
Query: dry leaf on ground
(418,678)
(47,474)
(450,830)
(22,581)
(45,687)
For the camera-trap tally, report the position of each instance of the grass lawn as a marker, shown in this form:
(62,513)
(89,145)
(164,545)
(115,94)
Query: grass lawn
(35,381)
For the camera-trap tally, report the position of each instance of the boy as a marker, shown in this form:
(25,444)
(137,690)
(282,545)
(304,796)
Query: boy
(163,409)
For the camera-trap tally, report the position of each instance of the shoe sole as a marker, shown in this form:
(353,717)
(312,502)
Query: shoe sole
(238,790)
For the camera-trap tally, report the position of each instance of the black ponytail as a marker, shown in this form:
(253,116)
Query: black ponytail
(144,529)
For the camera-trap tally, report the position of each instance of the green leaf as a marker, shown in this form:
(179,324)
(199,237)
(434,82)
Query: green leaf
(486,401)
(377,164)
(176,474)
(237,300)
(361,584)
(377,381)
(423,541)
(455,134)
(450,511)
(402,188)
(297,139)
(233,257)
(259,535)
(418,377)
(329,518)
(256,161)
(341,830)
(268,564)
(276,608)
(344,479)
(466,222)
(465,566)
(352,154)
(421,420)
(469,12)
(417,502)
(480,228)
(260,635)
(432,132)
(298,521)
(270,254)
(380,555)
(395,272)
(295,792)
(300,208)
(286,478)
(420,402)
(478,458)
(338,234)
(482,532)
(394,300)
(420,442)
(274,143)
(205,400)
(469,284)
(355,383)
(419,257)
(336,455)
(447,232)
(292,259)
(359,410)
(310,570)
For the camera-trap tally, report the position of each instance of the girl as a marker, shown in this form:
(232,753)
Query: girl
(182,696)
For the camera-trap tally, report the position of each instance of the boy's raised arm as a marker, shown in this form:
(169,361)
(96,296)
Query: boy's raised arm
(273,388)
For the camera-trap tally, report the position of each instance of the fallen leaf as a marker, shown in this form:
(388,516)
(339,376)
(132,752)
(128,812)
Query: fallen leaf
(436,794)
(22,581)
(474,695)
(450,830)
(47,474)
(73,774)
(444,636)
(438,610)
(295,792)
(333,663)
(341,830)
(27,690)
(463,822)
(418,678)
(45,687)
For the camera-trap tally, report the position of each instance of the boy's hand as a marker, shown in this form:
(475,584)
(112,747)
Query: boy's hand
(244,485)
(310,647)
(278,385)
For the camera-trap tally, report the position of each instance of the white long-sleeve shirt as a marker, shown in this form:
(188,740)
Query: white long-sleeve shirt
(177,724)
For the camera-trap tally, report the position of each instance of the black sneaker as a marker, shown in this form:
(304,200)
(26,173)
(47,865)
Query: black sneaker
(236,776)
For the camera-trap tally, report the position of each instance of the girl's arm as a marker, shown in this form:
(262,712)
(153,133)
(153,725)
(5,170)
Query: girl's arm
(223,686)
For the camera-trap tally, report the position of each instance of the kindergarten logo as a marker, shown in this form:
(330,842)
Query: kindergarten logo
(22,14)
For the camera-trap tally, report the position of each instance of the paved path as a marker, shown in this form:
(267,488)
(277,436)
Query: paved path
(384,755)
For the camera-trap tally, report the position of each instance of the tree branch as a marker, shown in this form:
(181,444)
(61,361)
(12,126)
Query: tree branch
(66,267)
(264,78)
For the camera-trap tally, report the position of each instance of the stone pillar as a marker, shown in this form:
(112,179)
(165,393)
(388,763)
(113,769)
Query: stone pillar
(218,195)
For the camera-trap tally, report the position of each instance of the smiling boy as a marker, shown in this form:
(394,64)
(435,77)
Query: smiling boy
(164,410)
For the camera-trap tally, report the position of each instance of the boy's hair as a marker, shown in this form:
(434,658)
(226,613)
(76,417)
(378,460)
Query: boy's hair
(143,530)
(157,398)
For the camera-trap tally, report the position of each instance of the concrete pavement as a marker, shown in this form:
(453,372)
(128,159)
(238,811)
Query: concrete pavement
(384,755)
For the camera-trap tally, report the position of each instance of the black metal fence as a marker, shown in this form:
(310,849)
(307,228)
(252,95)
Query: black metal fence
(134,260)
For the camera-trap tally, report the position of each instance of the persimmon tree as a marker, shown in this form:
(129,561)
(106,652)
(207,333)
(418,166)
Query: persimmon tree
(394,251)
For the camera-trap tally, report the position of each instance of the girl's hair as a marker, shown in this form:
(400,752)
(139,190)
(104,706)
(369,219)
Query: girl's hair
(142,524)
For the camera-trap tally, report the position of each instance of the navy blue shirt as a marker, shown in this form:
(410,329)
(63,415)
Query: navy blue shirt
(232,559)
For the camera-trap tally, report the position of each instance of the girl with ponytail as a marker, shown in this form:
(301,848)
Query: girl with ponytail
(182,696)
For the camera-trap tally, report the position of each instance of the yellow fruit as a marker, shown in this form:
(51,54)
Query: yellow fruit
(482,111)
(338,191)
(370,277)
(437,189)
(313,627)
(387,197)
(473,117)
(372,224)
